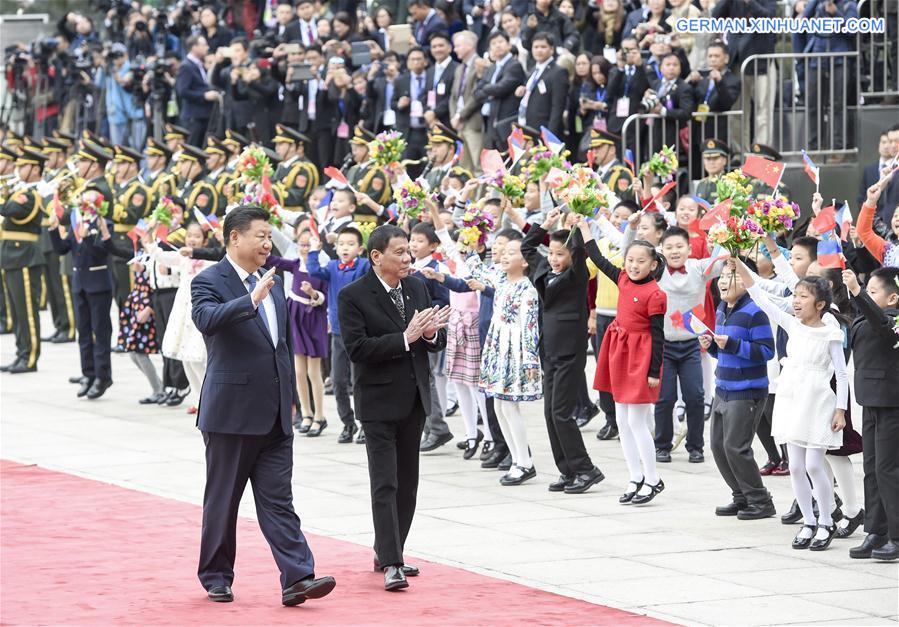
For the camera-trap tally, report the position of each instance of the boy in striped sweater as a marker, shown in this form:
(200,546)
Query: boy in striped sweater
(743,343)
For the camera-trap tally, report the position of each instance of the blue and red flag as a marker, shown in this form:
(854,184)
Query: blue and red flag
(811,169)
(718,254)
(552,142)
(844,220)
(691,321)
(629,160)
(830,254)
(825,221)
(213,221)
(516,145)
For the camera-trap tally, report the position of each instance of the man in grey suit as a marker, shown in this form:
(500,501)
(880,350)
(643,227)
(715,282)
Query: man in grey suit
(465,112)
(496,91)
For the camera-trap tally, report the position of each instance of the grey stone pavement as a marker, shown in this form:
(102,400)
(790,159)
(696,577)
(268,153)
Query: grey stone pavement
(672,559)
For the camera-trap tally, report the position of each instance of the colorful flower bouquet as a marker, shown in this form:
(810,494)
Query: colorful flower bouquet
(92,205)
(261,195)
(541,160)
(253,164)
(736,186)
(773,214)
(165,212)
(365,229)
(582,190)
(410,197)
(663,164)
(477,223)
(510,186)
(387,148)
(738,233)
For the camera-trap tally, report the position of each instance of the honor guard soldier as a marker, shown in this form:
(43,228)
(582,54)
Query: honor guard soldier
(21,259)
(68,139)
(158,175)
(216,159)
(8,179)
(175,137)
(59,182)
(296,175)
(14,140)
(442,143)
(715,157)
(131,202)
(90,163)
(234,143)
(366,177)
(196,191)
(758,187)
(604,146)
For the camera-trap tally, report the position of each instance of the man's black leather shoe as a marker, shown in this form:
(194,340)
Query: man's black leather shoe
(21,366)
(561,483)
(871,542)
(308,588)
(6,367)
(408,570)
(98,388)
(433,442)
(793,516)
(86,385)
(61,337)
(888,552)
(220,594)
(346,436)
(584,481)
(394,579)
(757,511)
(77,380)
(506,463)
(731,509)
(496,456)
(608,432)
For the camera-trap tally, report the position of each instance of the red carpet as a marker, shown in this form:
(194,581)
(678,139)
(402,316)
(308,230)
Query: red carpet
(76,551)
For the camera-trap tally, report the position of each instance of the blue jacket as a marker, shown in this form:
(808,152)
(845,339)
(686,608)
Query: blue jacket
(742,371)
(90,260)
(438,291)
(121,106)
(190,87)
(485,304)
(837,42)
(250,383)
(337,278)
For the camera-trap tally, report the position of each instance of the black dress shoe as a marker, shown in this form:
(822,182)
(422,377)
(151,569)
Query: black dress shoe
(433,442)
(793,516)
(584,481)
(561,483)
(21,367)
(471,447)
(408,569)
(506,462)
(85,387)
(628,496)
(98,388)
(663,456)
(696,457)
(177,397)
(871,542)
(6,367)
(360,437)
(152,399)
(888,552)
(304,427)
(608,432)
(61,337)
(452,410)
(654,490)
(819,544)
(524,475)
(77,380)
(220,594)
(394,579)
(316,429)
(803,543)
(587,414)
(346,436)
(308,588)
(463,444)
(497,455)
(854,523)
(731,509)
(486,450)
(166,395)
(757,511)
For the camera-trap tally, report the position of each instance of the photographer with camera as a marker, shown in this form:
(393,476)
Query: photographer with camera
(123,96)
(231,65)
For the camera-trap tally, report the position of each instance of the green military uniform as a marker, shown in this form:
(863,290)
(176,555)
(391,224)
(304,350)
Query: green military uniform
(617,176)
(296,177)
(161,182)
(234,143)
(7,182)
(131,202)
(199,193)
(21,263)
(758,187)
(369,179)
(707,188)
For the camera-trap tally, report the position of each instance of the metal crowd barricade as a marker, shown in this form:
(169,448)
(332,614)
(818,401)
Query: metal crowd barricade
(878,65)
(816,114)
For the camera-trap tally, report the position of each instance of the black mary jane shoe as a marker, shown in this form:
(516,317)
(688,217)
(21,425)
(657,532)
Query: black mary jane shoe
(628,496)
(803,543)
(471,448)
(854,523)
(487,450)
(316,429)
(304,426)
(820,544)
(643,499)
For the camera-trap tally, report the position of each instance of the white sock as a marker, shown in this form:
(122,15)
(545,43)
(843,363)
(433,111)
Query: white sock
(842,470)
(468,407)
(628,445)
(519,432)
(482,407)
(805,532)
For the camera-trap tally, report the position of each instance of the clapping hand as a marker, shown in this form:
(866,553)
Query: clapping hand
(263,287)
(426,323)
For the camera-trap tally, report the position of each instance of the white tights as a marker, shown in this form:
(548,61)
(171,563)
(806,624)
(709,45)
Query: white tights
(635,430)
(840,466)
(810,461)
(470,401)
(511,423)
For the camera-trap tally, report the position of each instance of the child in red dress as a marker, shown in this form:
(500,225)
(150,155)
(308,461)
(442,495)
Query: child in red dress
(630,359)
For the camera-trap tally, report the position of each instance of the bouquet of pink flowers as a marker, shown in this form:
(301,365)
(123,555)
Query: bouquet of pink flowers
(773,214)
(541,160)
(581,189)
(510,186)
(477,224)
(736,234)
(410,197)
(260,195)
(93,204)
(663,164)
(387,148)
(253,164)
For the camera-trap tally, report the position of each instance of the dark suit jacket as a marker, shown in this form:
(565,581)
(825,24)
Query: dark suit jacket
(90,260)
(564,309)
(250,383)
(545,107)
(377,94)
(724,94)
(190,87)
(291,33)
(617,83)
(433,24)
(402,87)
(502,98)
(387,376)
(441,110)
(870,175)
(873,345)
(741,46)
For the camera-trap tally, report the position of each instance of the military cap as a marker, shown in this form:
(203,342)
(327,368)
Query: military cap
(284,133)
(67,138)
(233,140)
(53,144)
(440,134)
(30,156)
(6,152)
(214,146)
(126,154)
(175,132)
(767,152)
(13,139)
(93,152)
(714,146)
(158,149)
(603,138)
(361,137)
(88,135)
(192,153)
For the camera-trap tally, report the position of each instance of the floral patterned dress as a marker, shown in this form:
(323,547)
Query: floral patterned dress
(510,361)
(135,337)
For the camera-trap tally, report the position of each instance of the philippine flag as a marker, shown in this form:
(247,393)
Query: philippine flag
(691,321)
(811,169)
(552,142)
(629,160)
(830,254)
(844,220)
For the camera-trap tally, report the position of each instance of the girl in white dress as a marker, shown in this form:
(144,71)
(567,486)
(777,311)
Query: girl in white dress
(182,340)
(808,417)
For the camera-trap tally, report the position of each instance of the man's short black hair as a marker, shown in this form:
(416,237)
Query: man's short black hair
(420,3)
(674,231)
(544,36)
(242,42)
(380,238)
(498,33)
(240,218)
(440,35)
(426,229)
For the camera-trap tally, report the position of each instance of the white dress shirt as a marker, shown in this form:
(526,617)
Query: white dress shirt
(271,317)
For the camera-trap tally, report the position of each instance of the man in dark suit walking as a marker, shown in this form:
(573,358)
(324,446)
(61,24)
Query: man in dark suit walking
(544,94)
(389,327)
(409,99)
(872,174)
(496,91)
(193,88)
(245,411)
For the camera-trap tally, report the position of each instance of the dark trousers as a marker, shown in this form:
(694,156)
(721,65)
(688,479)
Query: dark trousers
(121,271)
(24,288)
(197,128)
(341,379)
(266,461)
(94,333)
(493,422)
(6,323)
(775,453)
(880,443)
(173,375)
(561,378)
(682,362)
(59,297)
(392,448)
(732,431)
(416,138)
(825,95)
(606,402)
